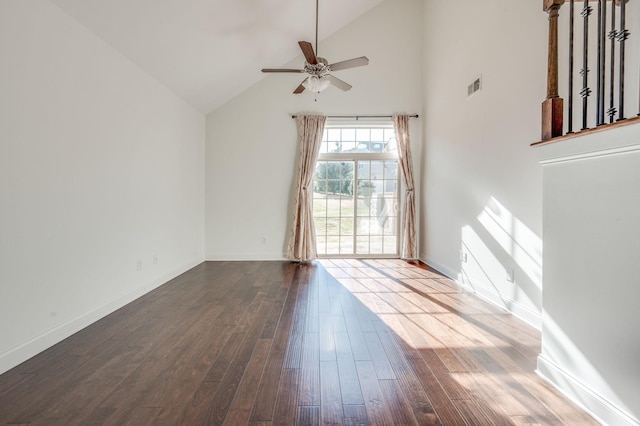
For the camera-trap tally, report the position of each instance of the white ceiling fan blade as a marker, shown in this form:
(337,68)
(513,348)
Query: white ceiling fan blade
(342,85)
(351,63)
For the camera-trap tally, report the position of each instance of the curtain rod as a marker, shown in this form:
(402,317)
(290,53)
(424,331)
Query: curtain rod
(357,117)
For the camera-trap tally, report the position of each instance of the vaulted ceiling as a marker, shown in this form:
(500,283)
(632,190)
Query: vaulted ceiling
(208,51)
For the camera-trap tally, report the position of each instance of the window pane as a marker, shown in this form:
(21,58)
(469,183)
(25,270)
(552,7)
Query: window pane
(364,206)
(333,245)
(389,133)
(346,208)
(348,147)
(390,170)
(333,225)
(376,245)
(390,226)
(321,225)
(362,245)
(364,169)
(363,135)
(321,170)
(321,244)
(377,135)
(390,245)
(333,186)
(346,245)
(364,225)
(333,134)
(349,135)
(346,226)
(320,188)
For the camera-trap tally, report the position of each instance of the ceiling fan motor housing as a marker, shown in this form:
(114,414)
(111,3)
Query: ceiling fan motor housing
(319,69)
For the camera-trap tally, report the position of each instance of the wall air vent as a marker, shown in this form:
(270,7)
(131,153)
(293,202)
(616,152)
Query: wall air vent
(474,86)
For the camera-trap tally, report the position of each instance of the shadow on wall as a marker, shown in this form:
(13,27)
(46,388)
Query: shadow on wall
(501,259)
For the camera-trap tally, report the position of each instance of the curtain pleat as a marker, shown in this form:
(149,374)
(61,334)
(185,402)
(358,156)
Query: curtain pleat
(302,243)
(409,246)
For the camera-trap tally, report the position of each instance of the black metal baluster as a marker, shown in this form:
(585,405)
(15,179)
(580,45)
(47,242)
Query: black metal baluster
(571,26)
(623,35)
(603,60)
(598,64)
(585,92)
(613,35)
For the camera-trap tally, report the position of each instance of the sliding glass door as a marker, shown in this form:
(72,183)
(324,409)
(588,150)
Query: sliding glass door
(356,197)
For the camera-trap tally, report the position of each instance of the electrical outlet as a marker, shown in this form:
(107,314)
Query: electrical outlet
(155,259)
(463,256)
(139,265)
(263,240)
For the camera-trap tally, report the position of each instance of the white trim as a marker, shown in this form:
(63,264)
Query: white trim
(526,314)
(244,257)
(591,402)
(18,354)
(592,154)
(596,144)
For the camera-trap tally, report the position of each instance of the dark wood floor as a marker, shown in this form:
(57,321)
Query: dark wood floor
(274,343)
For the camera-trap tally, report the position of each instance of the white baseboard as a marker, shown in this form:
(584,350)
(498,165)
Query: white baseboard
(518,310)
(246,257)
(17,355)
(594,404)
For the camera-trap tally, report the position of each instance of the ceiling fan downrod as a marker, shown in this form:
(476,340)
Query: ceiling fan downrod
(317,8)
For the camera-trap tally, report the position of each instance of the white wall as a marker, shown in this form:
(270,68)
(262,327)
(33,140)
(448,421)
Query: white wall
(590,339)
(251,140)
(481,180)
(100,168)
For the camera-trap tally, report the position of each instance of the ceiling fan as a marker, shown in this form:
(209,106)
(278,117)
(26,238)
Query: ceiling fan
(319,68)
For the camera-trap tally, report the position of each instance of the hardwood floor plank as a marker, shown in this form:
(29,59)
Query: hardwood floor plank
(348,374)
(326,337)
(286,407)
(381,363)
(453,389)
(475,415)
(309,388)
(355,415)
(331,411)
(378,412)
(444,407)
(399,406)
(196,409)
(308,416)
(224,358)
(240,409)
(356,338)
(221,401)
(294,349)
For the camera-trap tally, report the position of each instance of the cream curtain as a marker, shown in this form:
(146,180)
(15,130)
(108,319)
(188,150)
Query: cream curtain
(409,247)
(302,243)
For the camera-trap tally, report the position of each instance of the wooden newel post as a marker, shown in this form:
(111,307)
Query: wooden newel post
(552,107)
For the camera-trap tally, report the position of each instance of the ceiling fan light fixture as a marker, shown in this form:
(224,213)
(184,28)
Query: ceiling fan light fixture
(316,84)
